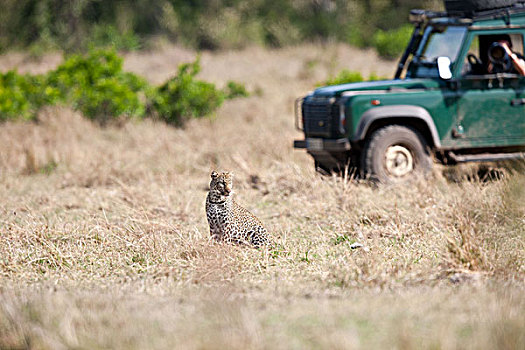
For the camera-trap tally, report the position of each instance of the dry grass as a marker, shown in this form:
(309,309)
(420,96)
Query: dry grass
(104,241)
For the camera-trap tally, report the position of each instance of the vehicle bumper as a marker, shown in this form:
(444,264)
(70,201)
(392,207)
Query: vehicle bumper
(314,145)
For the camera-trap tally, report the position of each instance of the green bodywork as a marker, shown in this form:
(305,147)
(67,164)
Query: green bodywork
(467,111)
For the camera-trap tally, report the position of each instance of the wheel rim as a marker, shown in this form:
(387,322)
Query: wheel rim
(398,161)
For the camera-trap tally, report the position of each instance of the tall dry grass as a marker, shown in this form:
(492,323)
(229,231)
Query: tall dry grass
(104,241)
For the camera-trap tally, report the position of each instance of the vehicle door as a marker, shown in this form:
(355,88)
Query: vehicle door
(490,104)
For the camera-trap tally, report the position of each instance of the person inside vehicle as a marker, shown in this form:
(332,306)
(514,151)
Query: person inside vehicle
(501,58)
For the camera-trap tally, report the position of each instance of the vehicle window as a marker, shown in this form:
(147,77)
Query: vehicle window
(442,42)
(517,43)
(477,61)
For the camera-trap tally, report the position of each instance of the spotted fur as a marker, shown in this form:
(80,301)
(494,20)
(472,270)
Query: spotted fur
(229,222)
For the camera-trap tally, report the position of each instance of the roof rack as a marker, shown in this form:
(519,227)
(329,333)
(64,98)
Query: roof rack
(420,16)
(492,13)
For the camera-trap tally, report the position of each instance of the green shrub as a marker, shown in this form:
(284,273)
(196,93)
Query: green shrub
(183,96)
(344,77)
(108,36)
(356,37)
(22,95)
(347,76)
(234,89)
(97,86)
(94,84)
(390,44)
(13,101)
(373,76)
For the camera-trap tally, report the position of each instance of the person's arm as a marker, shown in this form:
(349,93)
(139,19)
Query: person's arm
(517,62)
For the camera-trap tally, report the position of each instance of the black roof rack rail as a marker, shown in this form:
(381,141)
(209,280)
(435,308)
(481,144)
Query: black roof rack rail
(490,14)
(418,16)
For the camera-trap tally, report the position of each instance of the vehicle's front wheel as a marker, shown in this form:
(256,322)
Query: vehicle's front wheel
(395,153)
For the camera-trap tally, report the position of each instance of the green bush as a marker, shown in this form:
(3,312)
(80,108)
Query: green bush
(356,37)
(344,77)
(234,89)
(22,95)
(13,97)
(373,76)
(390,44)
(108,36)
(183,97)
(97,86)
(347,76)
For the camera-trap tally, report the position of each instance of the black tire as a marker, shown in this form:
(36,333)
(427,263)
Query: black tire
(322,169)
(470,6)
(394,154)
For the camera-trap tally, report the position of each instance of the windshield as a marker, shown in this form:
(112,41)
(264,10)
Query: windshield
(437,41)
(444,41)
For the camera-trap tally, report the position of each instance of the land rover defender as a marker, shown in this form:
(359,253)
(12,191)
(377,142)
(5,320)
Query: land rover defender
(444,104)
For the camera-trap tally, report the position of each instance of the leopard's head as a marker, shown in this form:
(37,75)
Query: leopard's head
(221,185)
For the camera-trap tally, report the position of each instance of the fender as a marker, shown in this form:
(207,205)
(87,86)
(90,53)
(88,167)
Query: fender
(405,111)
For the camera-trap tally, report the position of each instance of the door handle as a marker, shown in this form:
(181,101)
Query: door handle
(518,102)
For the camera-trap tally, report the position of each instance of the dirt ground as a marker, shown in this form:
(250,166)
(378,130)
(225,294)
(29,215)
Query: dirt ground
(104,241)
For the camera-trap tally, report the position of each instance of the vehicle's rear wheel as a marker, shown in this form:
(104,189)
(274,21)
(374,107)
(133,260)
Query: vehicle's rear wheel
(395,154)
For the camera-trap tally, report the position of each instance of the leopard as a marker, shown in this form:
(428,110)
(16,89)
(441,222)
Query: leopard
(229,222)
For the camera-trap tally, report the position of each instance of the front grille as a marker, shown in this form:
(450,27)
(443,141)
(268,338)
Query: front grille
(320,116)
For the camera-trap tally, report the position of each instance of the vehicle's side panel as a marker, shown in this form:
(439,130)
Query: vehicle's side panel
(490,112)
(439,103)
(398,114)
(492,116)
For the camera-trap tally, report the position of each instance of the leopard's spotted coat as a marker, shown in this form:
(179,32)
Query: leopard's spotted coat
(229,222)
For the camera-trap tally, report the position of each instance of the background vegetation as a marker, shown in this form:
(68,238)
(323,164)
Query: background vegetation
(203,24)
(96,85)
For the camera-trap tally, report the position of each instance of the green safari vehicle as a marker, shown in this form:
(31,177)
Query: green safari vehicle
(457,96)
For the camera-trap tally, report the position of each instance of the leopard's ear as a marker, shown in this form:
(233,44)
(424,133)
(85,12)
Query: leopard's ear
(214,174)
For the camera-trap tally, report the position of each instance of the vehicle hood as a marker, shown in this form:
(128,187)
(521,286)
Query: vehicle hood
(397,84)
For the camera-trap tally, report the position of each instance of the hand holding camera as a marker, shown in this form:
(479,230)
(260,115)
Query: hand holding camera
(503,60)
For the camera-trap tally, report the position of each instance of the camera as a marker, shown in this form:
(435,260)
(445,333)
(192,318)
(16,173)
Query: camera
(497,53)
(499,58)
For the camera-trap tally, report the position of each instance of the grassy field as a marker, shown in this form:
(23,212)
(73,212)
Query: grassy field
(104,240)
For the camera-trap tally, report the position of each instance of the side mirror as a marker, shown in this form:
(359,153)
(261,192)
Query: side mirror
(444,68)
